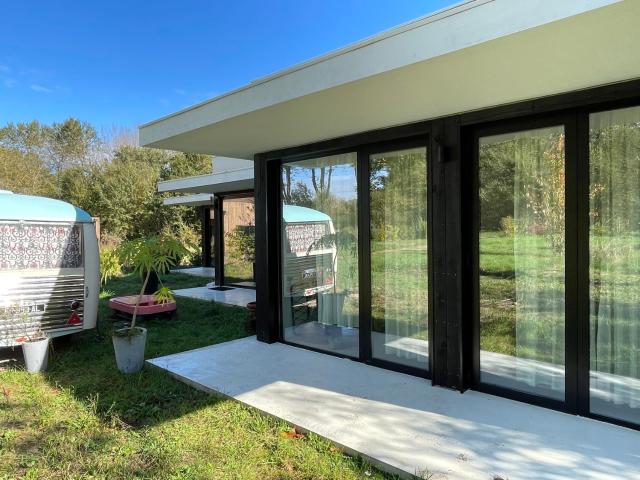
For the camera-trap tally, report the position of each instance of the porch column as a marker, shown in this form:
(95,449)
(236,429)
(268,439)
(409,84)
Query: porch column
(206,236)
(218,241)
(266,257)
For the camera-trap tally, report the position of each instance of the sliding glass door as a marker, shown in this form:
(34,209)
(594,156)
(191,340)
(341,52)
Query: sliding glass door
(319,241)
(614,258)
(522,261)
(558,252)
(353,241)
(398,250)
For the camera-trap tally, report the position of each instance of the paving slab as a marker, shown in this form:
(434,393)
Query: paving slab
(234,296)
(405,425)
(207,272)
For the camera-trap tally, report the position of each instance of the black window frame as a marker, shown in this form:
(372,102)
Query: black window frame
(362,146)
(452,227)
(575,118)
(216,232)
(219,232)
(567,121)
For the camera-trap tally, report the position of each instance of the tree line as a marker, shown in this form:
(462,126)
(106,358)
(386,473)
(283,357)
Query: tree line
(105,174)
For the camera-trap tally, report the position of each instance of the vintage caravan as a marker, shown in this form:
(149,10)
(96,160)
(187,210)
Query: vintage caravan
(49,268)
(310,268)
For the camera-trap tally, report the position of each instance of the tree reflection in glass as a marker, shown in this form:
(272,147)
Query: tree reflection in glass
(522,261)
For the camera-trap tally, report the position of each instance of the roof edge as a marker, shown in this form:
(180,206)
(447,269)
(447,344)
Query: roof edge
(392,32)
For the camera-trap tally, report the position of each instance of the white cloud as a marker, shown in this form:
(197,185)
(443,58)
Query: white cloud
(180,91)
(4,69)
(39,88)
(9,82)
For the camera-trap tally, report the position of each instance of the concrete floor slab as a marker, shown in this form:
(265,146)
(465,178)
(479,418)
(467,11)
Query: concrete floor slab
(234,296)
(402,423)
(206,272)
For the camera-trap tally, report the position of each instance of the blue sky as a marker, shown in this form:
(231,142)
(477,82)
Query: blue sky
(122,63)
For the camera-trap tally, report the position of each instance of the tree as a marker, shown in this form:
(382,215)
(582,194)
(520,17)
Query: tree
(23,137)
(108,177)
(70,143)
(24,173)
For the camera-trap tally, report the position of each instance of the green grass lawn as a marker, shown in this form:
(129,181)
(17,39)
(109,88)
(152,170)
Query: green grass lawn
(238,271)
(83,419)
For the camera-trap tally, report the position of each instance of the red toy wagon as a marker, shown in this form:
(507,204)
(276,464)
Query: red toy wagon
(149,307)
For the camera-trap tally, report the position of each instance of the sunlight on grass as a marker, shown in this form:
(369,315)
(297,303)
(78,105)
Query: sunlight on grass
(83,419)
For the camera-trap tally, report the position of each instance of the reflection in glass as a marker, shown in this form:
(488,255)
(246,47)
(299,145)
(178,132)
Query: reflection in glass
(319,240)
(522,261)
(239,241)
(614,245)
(399,274)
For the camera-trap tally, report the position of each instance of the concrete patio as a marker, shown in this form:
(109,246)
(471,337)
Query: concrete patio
(404,425)
(206,272)
(236,296)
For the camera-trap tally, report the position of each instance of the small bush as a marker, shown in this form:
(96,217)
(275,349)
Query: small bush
(508,225)
(110,265)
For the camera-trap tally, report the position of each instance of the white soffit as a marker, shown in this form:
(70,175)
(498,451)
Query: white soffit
(475,55)
(190,200)
(227,181)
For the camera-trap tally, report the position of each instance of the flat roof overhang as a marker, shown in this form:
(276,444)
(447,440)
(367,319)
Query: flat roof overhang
(228,181)
(476,55)
(197,200)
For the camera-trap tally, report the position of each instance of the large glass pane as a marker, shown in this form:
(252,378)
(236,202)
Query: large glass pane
(399,273)
(614,245)
(239,241)
(522,261)
(320,253)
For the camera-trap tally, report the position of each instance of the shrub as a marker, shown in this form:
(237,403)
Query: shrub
(241,243)
(508,225)
(110,265)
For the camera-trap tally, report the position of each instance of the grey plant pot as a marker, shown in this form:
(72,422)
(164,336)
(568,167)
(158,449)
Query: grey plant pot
(330,306)
(129,349)
(36,355)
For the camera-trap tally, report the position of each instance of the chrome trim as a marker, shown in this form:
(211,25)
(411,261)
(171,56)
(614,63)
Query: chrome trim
(32,303)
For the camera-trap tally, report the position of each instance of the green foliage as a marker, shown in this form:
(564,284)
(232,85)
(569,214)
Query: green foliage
(163,295)
(240,244)
(155,254)
(25,173)
(109,264)
(113,181)
(59,145)
(508,225)
(398,196)
(387,233)
(524,177)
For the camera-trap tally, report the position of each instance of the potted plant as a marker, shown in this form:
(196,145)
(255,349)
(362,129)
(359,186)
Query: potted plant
(34,342)
(331,304)
(154,255)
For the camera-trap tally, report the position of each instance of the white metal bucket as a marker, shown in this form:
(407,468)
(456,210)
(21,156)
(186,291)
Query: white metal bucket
(36,355)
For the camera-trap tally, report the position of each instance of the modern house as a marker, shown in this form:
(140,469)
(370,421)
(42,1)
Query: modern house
(476,178)
(225,198)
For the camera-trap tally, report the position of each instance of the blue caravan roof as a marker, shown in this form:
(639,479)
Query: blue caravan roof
(295,214)
(29,208)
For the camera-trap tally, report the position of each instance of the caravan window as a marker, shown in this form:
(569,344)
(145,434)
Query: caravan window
(39,246)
